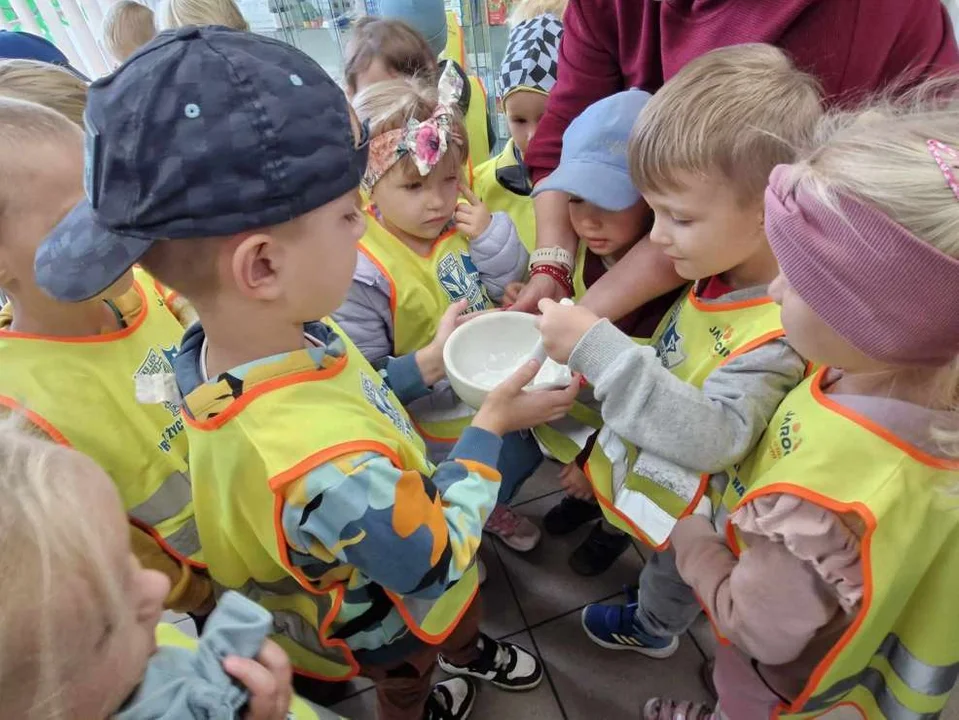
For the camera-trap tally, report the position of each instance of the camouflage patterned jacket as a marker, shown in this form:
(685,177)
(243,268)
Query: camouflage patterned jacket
(382,558)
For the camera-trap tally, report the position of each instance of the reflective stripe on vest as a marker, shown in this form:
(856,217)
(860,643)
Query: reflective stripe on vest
(924,679)
(82,392)
(900,655)
(642,494)
(243,461)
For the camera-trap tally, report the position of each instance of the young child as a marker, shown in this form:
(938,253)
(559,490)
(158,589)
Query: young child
(842,588)
(610,216)
(78,632)
(180,13)
(45,84)
(393,46)
(72,369)
(527,75)
(425,252)
(127,26)
(313,493)
(699,400)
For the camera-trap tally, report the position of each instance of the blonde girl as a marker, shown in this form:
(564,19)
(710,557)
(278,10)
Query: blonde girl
(431,251)
(180,13)
(529,9)
(837,576)
(77,631)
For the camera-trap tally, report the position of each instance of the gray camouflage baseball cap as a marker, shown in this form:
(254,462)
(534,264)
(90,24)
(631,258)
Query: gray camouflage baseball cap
(203,132)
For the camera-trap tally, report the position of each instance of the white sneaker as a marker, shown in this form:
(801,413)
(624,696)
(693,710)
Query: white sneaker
(451,700)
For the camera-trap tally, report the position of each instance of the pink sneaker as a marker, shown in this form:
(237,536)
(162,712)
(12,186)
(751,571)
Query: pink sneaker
(516,531)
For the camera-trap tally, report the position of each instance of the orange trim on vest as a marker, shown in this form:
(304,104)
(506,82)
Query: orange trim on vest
(336,590)
(609,505)
(164,546)
(90,339)
(719,306)
(414,627)
(261,389)
(876,429)
(38,420)
(865,514)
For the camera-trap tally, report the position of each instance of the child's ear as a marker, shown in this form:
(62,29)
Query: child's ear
(255,264)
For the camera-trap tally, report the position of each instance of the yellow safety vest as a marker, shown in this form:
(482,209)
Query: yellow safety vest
(487,186)
(82,393)
(899,658)
(245,456)
(169,636)
(698,337)
(455,42)
(421,290)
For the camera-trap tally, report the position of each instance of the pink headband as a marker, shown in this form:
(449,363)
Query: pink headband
(891,295)
(425,142)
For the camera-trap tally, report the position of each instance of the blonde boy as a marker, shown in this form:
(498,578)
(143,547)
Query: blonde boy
(127,26)
(71,368)
(314,496)
(698,401)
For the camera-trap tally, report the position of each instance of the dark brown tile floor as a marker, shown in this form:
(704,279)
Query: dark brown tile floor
(535,600)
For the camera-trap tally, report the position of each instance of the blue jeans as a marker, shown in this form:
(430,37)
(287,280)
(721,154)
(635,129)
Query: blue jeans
(517,461)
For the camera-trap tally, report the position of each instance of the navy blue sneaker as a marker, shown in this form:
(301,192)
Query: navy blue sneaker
(612,627)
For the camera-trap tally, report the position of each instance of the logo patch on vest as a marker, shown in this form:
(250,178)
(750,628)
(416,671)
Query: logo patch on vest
(788,436)
(377,394)
(721,337)
(459,277)
(669,347)
(159,361)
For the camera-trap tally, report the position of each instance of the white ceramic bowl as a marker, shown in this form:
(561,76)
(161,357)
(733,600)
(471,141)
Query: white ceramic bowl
(483,352)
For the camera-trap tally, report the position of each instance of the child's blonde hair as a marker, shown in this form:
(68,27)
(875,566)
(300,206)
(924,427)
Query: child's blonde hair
(400,48)
(180,13)
(738,110)
(44,84)
(880,155)
(127,26)
(52,550)
(392,104)
(528,9)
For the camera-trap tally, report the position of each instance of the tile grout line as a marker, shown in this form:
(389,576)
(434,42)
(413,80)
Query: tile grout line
(529,631)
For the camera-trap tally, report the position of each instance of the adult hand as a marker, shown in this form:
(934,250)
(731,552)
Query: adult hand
(562,327)
(509,407)
(268,679)
(575,483)
(430,358)
(472,217)
(539,287)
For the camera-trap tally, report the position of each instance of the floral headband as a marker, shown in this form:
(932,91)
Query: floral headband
(424,141)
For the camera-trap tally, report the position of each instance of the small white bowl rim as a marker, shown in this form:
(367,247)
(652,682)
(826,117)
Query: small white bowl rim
(460,331)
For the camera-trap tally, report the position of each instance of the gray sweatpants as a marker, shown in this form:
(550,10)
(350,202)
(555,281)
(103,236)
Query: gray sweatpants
(667,605)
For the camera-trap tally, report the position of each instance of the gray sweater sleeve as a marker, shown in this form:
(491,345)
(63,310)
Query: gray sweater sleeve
(706,429)
(499,256)
(365,314)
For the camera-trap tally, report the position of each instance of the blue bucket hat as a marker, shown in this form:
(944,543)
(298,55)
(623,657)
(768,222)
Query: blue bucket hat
(593,164)
(203,132)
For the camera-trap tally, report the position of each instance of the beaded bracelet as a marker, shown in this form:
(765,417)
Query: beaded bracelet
(558,274)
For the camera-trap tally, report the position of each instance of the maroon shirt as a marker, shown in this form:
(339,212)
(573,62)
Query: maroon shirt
(853,47)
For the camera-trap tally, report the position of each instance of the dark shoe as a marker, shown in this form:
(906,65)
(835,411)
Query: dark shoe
(505,665)
(598,551)
(706,675)
(451,700)
(570,514)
